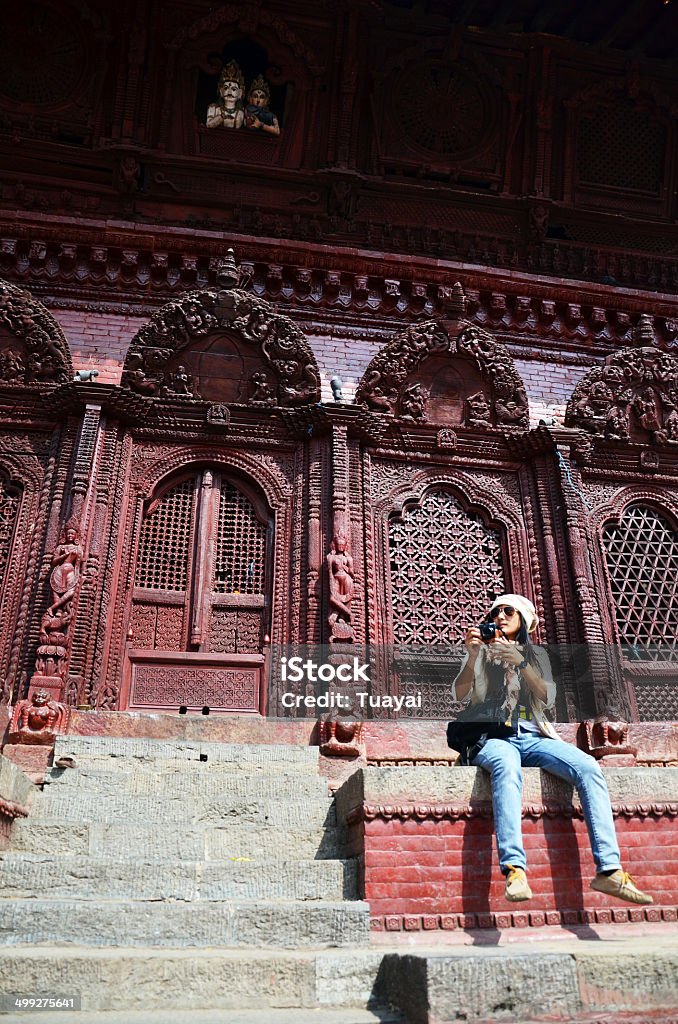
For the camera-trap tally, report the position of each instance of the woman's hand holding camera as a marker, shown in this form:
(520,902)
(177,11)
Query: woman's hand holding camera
(473,642)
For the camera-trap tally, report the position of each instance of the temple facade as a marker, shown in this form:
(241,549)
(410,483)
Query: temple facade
(325,326)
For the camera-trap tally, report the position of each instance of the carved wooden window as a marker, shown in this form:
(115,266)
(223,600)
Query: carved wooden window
(9,509)
(445,570)
(163,549)
(622,147)
(241,546)
(201,573)
(642,561)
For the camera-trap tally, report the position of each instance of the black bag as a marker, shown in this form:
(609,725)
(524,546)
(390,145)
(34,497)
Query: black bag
(475,725)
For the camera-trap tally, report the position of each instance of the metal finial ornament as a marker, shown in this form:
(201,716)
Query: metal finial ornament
(457,303)
(227,271)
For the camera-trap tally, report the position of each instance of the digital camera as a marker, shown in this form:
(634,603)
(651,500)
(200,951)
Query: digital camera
(488,631)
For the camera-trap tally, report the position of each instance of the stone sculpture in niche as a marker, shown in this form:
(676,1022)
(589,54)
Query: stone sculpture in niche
(632,397)
(258,115)
(228,112)
(341,576)
(38,719)
(341,737)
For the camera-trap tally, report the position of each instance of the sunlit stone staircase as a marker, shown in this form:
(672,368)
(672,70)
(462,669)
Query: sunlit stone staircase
(170,880)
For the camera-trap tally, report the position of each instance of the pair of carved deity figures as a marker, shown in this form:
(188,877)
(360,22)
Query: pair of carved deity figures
(229,110)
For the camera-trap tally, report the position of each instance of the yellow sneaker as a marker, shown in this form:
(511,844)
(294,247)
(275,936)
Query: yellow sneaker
(621,885)
(517,888)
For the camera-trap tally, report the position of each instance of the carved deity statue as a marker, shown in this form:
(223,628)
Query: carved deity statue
(50,661)
(645,406)
(38,719)
(258,115)
(617,424)
(478,410)
(227,112)
(66,562)
(340,568)
(413,403)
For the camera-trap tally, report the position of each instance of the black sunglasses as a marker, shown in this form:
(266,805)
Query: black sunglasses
(507,609)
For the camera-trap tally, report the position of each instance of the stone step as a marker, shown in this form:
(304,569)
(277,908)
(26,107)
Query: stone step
(609,978)
(126,753)
(171,982)
(122,842)
(234,924)
(317,1015)
(68,804)
(175,781)
(24,875)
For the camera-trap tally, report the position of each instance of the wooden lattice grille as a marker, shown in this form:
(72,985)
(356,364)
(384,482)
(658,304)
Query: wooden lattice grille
(162,562)
(622,147)
(241,546)
(642,561)
(9,510)
(445,568)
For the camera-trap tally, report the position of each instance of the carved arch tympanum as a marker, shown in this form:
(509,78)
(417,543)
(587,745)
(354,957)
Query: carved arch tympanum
(632,397)
(225,347)
(447,373)
(33,348)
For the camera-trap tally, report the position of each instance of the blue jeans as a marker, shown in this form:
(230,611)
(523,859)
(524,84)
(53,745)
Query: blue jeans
(503,760)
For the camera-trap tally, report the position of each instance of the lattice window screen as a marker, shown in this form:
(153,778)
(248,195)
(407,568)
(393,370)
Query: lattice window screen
(642,560)
(622,147)
(446,568)
(163,549)
(9,509)
(241,546)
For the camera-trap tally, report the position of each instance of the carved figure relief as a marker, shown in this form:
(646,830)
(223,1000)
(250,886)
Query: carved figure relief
(341,576)
(223,346)
(633,396)
(33,349)
(38,719)
(456,375)
(228,110)
(52,654)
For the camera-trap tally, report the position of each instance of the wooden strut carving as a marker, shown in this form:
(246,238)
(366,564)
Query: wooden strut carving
(38,353)
(55,640)
(291,377)
(632,397)
(389,384)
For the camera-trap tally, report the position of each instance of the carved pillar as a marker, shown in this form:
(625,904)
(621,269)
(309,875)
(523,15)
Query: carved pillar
(607,680)
(312,630)
(65,625)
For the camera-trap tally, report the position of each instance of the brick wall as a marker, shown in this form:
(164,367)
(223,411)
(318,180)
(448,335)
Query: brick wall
(416,869)
(98,340)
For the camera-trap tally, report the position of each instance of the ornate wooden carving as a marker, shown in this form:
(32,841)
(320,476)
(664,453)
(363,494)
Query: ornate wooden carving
(633,397)
(51,663)
(225,347)
(446,372)
(33,349)
(38,719)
